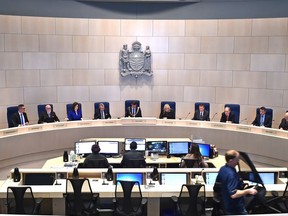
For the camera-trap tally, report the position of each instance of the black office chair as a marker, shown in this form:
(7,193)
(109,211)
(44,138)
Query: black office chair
(127,203)
(20,200)
(77,202)
(10,112)
(135,163)
(191,205)
(95,163)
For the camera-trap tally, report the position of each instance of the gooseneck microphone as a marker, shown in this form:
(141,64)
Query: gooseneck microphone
(214,116)
(187,116)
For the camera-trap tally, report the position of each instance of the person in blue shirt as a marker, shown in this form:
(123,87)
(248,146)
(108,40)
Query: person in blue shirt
(75,113)
(262,119)
(232,192)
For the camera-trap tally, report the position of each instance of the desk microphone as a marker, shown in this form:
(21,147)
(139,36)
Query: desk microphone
(214,116)
(187,116)
(245,119)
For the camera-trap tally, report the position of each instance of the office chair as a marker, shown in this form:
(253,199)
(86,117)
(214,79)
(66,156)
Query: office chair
(128,103)
(20,200)
(206,105)
(10,111)
(135,163)
(95,163)
(235,108)
(41,109)
(127,203)
(172,105)
(77,202)
(192,204)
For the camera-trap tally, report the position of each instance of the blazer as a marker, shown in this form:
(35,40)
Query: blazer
(128,112)
(89,160)
(16,119)
(45,118)
(231,117)
(73,117)
(205,116)
(168,115)
(131,155)
(97,114)
(283,124)
(267,121)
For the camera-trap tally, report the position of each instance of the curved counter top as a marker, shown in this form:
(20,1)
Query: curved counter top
(41,142)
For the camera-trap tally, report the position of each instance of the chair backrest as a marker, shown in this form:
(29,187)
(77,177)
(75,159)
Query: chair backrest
(235,108)
(191,163)
(78,202)
(135,163)
(41,108)
(20,200)
(172,105)
(269,112)
(191,205)
(10,111)
(128,103)
(206,105)
(69,107)
(95,163)
(126,202)
(106,104)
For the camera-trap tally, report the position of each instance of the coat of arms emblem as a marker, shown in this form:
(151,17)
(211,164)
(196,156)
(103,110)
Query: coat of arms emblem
(135,62)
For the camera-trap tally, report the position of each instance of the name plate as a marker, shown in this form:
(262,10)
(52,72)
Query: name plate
(109,122)
(84,123)
(9,132)
(219,125)
(169,122)
(192,123)
(35,128)
(59,125)
(243,128)
(270,132)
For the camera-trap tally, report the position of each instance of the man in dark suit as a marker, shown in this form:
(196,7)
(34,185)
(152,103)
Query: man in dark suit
(20,118)
(101,112)
(284,122)
(93,160)
(133,110)
(132,155)
(227,116)
(48,115)
(201,114)
(262,119)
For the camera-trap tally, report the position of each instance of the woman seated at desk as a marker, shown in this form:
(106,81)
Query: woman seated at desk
(196,158)
(167,112)
(75,113)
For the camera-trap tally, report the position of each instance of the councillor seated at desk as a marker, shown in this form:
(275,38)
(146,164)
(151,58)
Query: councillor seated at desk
(195,154)
(201,114)
(284,122)
(102,112)
(133,154)
(167,112)
(133,110)
(75,113)
(227,116)
(95,156)
(48,116)
(262,119)
(20,118)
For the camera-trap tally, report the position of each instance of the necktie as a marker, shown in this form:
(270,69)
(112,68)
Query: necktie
(102,115)
(133,111)
(22,119)
(262,120)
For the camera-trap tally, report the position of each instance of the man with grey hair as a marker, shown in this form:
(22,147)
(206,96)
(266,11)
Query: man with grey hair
(48,116)
(102,112)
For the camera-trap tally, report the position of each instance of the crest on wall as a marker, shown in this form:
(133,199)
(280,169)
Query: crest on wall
(135,61)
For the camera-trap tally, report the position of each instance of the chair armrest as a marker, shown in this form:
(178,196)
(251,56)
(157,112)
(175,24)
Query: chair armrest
(174,199)
(38,201)
(143,201)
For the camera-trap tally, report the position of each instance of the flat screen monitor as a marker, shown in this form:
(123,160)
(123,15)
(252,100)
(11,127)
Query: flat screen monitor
(204,149)
(130,177)
(210,177)
(109,147)
(178,148)
(84,147)
(267,177)
(159,147)
(39,179)
(141,143)
(173,178)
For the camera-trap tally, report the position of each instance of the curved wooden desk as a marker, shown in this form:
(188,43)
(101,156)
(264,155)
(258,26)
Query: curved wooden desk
(41,142)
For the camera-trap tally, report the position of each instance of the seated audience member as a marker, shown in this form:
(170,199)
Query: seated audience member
(95,156)
(194,153)
(201,114)
(227,116)
(75,113)
(284,122)
(262,119)
(20,118)
(133,110)
(102,112)
(132,155)
(167,112)
(48,115)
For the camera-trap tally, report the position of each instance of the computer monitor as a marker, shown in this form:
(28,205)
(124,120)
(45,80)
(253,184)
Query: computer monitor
(109,147)
(204,149)
(267,177)
(159,147)
(173,178)
(84,147)
(130,177)
(178,148)
(210,177)
(141,143)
